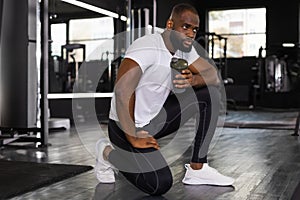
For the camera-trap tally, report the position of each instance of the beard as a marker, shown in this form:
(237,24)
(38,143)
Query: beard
(179,42)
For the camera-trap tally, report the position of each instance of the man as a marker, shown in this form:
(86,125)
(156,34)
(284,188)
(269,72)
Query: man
(145,108)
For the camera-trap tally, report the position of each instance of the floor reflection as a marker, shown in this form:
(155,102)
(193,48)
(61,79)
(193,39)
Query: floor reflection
(27,152)
(121,191)
(206,192)
(124,192)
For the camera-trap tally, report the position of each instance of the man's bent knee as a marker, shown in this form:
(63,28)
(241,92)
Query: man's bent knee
(164,184)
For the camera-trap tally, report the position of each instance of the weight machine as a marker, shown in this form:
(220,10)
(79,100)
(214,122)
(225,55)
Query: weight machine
(277,71)
(71,61)
(209,41)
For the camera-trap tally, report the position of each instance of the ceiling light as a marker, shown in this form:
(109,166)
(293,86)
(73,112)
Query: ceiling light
(288,45)
(95,9)
(123,18)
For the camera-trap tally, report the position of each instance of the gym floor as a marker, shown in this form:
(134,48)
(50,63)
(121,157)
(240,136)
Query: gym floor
(264,161)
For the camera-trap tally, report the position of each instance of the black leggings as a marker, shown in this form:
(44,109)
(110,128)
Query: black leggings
(146,168)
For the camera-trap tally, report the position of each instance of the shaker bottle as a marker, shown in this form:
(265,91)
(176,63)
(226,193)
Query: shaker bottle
(177,65)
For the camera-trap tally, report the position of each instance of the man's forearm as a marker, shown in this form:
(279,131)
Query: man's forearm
(125,111)
(139,139)
(208,78)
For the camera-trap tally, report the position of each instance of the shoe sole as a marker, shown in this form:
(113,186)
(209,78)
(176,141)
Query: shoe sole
(106,182)
(205,182)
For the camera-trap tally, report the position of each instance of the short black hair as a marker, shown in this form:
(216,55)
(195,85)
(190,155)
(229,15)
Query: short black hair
(182,7)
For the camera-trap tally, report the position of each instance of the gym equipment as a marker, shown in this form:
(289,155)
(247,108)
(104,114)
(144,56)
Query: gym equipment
(71,62)
(139,16)
(277,79)
(208,41)
(21,105)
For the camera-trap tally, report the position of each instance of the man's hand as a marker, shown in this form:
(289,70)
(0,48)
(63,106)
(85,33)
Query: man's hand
(183,80)
(142,140)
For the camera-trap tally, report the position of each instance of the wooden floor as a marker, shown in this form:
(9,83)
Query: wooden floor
(264,162)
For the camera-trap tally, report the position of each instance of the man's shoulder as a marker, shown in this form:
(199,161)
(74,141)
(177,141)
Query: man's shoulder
(150,39)
(150,42)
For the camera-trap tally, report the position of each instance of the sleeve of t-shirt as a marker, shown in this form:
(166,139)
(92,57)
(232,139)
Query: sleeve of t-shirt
(143,52)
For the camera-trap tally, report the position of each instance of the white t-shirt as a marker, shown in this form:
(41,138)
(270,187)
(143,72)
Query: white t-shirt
(155,84)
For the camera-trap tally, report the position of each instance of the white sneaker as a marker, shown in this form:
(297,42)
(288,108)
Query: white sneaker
(205,176)
(104,170)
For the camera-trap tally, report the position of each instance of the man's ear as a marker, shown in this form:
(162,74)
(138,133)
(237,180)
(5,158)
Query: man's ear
(170,24)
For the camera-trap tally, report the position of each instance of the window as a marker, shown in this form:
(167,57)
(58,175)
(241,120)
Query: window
(245,30)
(58,37)
(96,33)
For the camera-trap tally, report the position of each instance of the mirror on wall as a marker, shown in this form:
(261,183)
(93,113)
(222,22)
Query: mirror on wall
(82,50)
(89,50)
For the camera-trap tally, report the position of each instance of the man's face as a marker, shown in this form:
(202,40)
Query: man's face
(184,31)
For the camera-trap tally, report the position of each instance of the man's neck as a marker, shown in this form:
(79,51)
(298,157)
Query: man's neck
(167,41)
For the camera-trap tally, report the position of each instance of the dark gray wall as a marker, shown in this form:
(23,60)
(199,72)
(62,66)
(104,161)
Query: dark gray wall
(164,8)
